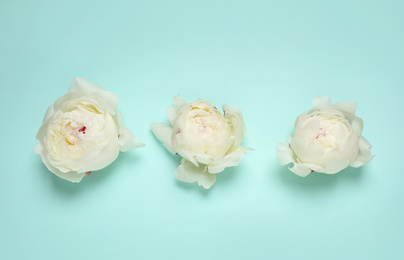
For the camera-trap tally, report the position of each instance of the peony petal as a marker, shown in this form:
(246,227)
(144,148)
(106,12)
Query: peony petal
(86,87)
(94,160)
(164,132)
(96,157)
(332,166)
(127,140)
(172,111)
(364,154)
(187,172)
(284,154)
(321,101)
(335,166)
(230,160)
(49,113)
(38,149)
(83,85)
(346,106)
(355,121)
(236,122)
(300,169)
(70,175)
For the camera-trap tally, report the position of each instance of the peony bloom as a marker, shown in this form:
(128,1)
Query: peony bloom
(83,132)
(207,140)
(327,139)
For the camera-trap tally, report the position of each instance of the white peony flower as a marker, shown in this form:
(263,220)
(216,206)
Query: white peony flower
(207,140)
(327,139)
(83,132)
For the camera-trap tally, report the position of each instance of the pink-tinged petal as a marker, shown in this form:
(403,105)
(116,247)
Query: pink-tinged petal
(346,106)
(284,154)
(321,101)
(300,169)
(164,132)
(188,172)
(236,122)
(364,154)
(127,140)
(172,111)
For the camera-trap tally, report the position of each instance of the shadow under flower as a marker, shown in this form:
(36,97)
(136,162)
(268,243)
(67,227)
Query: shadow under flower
(317,183)
(65,188)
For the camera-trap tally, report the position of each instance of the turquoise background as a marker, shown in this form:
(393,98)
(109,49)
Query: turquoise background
(268,58)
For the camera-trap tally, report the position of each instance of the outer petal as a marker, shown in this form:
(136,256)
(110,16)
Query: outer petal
(346,106)
(172,111)
(284,154)
(364,154)
(231,159)
(93,160)
(49,113)
(70,176)
(332,167)
(83,85)
(127,140)
(86,87)
(236,122)
(356,122)
(164,132)
(300,169)
(187,172)
(321,101)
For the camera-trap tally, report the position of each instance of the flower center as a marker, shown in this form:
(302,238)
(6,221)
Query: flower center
(72,134)
(202,129)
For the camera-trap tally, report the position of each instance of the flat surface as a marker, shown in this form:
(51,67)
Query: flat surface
(268,58)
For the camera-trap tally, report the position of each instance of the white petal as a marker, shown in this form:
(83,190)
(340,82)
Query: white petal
(346,106)
(356,122)
(187,172)
(85,87)
(70,175)
(236,120)
(230,160)
(38,149)
(164,132)
(336,166)
(364,154)
(332,166)
(94,159)
(284,154)
(321,101)
(49,113)
(187,155)
(127,140)
(300,169)
(172,111)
